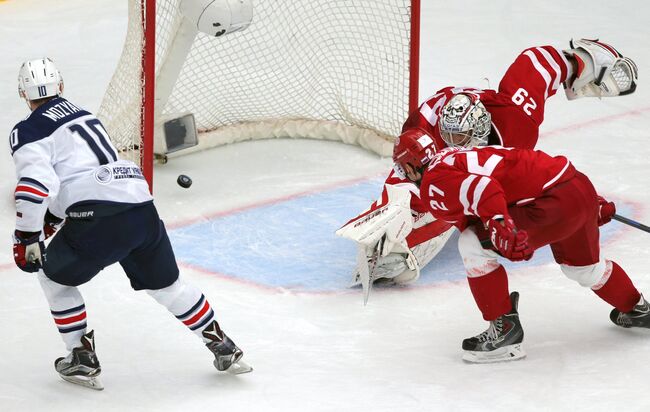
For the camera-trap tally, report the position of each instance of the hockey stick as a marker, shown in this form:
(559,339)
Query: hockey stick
(367,266)
(631,222)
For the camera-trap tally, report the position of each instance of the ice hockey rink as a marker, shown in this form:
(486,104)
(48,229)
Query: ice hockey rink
(255,233)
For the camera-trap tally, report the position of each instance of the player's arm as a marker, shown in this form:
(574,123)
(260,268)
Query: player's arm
(37,183)
(455,195)
(487,201)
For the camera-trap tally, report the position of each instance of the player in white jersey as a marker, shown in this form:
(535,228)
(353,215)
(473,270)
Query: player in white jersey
(70,177)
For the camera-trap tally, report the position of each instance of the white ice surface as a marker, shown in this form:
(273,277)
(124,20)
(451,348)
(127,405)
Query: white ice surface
(318,352)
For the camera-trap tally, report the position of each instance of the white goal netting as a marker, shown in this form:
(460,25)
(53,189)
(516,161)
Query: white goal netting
(333,69)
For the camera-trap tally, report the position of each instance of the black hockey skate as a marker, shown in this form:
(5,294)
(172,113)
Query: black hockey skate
(500,342)
(638,317)
(227,355)
(81,366)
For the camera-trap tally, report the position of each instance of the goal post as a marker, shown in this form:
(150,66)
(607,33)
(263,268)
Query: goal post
(327,69)
(147,84)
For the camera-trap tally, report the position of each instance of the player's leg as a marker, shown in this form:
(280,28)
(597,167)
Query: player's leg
(546,220)
(152,267)
(535,75)
(580,259)
(65,271)
(488,283)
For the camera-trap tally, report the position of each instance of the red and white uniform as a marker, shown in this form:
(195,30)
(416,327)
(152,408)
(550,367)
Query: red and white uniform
(462,186)
(516,109)
(545,196)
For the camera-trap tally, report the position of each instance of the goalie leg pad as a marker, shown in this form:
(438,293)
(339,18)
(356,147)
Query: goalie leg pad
(421,255)
(403,266)
(386,267)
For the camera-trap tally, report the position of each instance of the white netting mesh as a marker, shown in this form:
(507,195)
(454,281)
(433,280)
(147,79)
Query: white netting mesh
(339,61)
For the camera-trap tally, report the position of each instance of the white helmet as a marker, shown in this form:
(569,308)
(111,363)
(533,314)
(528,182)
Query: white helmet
(465,121)
(38,79)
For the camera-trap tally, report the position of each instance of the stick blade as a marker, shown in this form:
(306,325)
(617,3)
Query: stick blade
(364,274)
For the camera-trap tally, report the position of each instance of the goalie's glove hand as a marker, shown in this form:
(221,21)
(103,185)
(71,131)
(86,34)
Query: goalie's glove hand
(28,251)
(510,242)
(51,224)
(606,211)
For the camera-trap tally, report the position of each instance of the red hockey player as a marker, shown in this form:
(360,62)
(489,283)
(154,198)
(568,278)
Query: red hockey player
(510,116)
(510,202)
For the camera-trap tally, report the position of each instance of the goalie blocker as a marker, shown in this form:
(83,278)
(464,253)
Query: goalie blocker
(381,234)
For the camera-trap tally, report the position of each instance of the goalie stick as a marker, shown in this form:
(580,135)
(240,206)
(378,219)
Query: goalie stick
(631,222)
(367,266)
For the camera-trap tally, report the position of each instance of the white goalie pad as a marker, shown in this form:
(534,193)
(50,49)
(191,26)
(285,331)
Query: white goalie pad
(402,266)
(390,219)
(422,254)
(602,71)
(378,231)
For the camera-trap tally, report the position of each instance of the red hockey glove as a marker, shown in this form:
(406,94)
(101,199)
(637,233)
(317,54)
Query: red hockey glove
(28,251)
(51,224)
(605,210)
(510,243)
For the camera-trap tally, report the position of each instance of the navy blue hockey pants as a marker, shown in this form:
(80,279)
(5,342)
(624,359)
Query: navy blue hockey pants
(136,238)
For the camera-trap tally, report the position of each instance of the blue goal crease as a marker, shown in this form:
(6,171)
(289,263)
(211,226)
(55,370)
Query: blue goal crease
(292,244)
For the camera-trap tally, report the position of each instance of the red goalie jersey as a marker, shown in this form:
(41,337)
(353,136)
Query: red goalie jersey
(516,109)
(462,186)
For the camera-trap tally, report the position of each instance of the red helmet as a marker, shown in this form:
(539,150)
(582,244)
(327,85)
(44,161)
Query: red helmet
(415,147)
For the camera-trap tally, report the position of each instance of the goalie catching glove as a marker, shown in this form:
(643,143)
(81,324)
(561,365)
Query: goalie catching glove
(601,71)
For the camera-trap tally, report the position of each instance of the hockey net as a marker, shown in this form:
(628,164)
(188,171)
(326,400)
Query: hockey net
(329,69)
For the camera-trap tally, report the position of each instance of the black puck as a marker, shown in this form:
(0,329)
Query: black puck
(184,181)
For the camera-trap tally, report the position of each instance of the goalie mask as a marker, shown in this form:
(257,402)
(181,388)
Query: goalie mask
(465,122)
(38,79)
(412,152)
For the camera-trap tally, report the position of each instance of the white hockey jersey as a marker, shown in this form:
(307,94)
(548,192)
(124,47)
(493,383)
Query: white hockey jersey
(65,162)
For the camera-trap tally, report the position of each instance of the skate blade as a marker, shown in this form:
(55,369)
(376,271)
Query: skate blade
(92,382)
(507,353)
(239,367)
